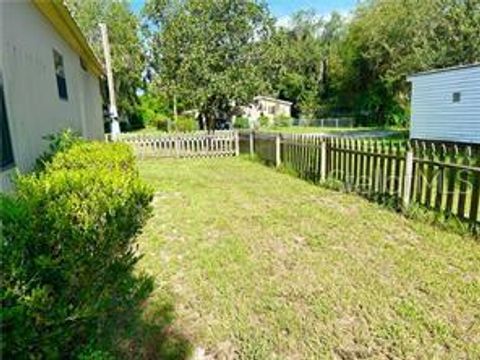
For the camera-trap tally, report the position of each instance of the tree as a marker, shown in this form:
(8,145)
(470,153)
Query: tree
(305,47)
(388,40)
(211,52)
(128,58)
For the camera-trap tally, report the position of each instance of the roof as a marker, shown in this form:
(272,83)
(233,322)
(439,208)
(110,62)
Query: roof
(436,71)
(59,16)
(272,100)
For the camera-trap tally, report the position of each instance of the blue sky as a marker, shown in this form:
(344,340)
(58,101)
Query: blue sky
(284,8)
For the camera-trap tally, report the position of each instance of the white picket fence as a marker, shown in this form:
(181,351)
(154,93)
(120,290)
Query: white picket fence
(183,145)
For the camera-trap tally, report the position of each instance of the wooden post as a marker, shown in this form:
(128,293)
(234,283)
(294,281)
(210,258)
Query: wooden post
(323,159)
(252,148)
(115,127)
(407,186)
(277,150)
(237,144)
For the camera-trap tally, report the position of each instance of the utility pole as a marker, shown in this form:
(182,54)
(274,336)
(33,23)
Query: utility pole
(175,115)
(115,127)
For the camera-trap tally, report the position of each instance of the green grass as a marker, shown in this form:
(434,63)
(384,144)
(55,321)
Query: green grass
(257,264)
(396,133)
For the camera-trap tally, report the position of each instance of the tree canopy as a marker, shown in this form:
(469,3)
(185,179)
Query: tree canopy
(211,52)
(128,52)
(211,55)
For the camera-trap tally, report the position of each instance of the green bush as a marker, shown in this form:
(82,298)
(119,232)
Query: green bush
(161,123)
(60,141)
(264,121)
(185,124)
(241,123)
(282,121)
(67,251)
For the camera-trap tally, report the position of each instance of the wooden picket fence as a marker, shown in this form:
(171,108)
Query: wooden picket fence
(437,177)
(183,145)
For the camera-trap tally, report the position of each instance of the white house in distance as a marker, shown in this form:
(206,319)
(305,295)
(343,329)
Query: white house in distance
(267,106)
(446,105)
(49,81)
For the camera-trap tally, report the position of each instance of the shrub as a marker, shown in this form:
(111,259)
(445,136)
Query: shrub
(241,123)
(282,121)
(185,124)
(161,123)
(60,141)
(67,250)
(95,156)
(136,120)
(264,121)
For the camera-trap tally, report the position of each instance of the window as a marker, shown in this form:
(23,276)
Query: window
(7,153)
(60,75)
(456,97)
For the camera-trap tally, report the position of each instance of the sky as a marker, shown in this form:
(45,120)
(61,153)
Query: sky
(284,8)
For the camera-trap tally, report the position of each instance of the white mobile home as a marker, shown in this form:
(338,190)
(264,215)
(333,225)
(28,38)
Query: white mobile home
(267,106)
(49,81)
(446,105)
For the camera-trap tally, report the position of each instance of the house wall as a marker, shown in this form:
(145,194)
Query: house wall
(266,106)
(436,117)
(34,108)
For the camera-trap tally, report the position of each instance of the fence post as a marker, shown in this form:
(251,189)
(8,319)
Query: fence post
(407,185)
(237,144)
(323,164)
(277,150)
(251,142)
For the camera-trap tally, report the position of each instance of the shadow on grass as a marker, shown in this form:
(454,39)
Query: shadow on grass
(146,330)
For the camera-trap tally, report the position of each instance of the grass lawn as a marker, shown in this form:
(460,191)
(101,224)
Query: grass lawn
(394,133)
(250,263)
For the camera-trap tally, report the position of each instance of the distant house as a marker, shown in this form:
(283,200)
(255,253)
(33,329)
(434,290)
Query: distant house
(446,104)
(49,81)
(267,106)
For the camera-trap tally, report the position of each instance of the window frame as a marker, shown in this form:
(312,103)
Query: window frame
(6,134)
(60,74)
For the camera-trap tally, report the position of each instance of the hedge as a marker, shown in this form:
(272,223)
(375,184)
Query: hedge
(68,250)
(241,123)
(185,124)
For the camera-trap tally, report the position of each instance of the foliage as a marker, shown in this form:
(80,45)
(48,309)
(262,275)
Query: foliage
(215,55)
(282,121)
(162,123)
(67,250)
(305,47)
(331,66)
(136,120)
(264,121)
(242,122)
(153,104)
(58,142)
(186,124)
(210,52)
(127,49)
(388,40)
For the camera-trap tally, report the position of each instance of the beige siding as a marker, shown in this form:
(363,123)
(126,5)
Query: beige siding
(33,105)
